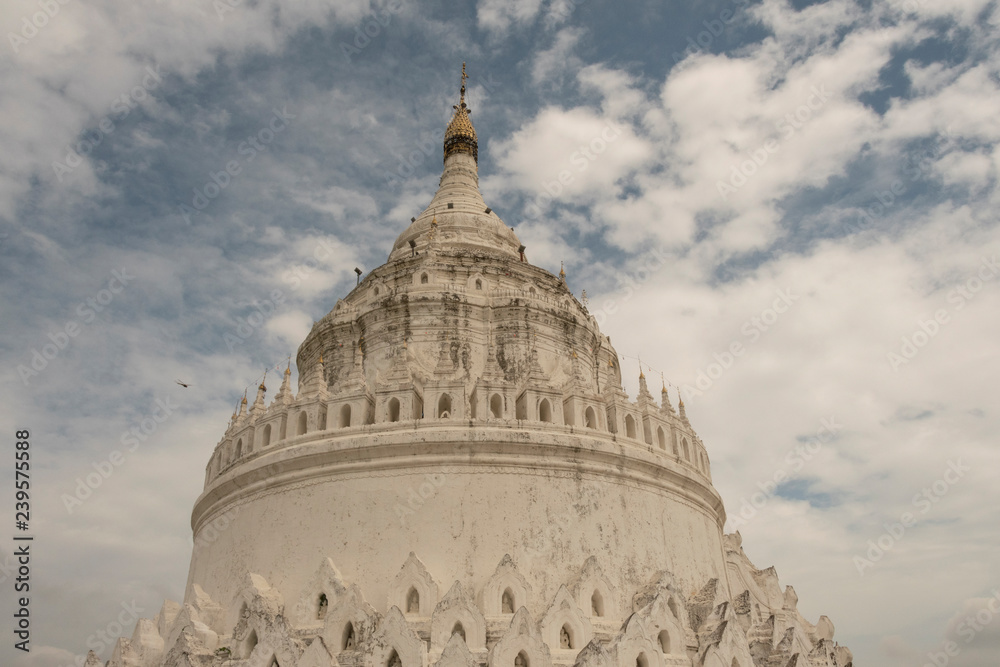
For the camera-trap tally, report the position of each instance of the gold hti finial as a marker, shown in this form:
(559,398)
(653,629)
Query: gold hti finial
(244,401)
(460,137)
(562,272)
(263,380)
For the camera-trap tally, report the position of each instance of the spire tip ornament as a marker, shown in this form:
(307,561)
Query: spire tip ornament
(460,137)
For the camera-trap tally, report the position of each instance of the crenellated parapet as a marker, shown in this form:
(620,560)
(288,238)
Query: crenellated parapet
(503,624)
(322,411)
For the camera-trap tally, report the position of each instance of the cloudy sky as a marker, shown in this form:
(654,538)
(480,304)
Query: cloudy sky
(786,208)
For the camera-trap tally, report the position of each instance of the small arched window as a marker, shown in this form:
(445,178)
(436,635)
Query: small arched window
(265,439)
(322,606)
(545,410)
(496,406)
(345,415)
(661,437)
(376,291)
(251,643)
(641,660)
(687,450)
(479,284)
(347,638)
(590,418)
(458,630)
(507,602)
(303,424)
(630,426)
(413,602)
(597,604)
(521,660)
(394,409)
(664,641)
(394,660)
(565,637)
(239,448)
(423,278)
(444,406)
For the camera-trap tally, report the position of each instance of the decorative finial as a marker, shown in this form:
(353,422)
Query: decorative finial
(562,272)
(460,136)
(263,380)
(461,98)
(244,401)
(320,357)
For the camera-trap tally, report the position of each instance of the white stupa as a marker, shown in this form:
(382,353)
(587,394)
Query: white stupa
(460,480)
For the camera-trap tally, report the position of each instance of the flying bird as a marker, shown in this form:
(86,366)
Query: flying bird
(182,384)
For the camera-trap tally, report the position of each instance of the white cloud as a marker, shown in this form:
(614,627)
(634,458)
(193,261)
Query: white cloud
(498,16)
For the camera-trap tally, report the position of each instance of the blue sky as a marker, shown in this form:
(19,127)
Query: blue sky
(788,209)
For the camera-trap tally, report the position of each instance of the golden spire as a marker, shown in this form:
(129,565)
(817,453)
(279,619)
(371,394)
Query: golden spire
(263,380)
(460,137)
(562,272)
